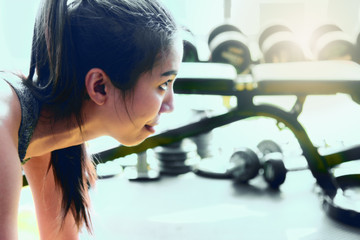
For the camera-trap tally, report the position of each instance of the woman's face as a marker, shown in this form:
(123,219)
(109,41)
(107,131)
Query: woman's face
(152,96)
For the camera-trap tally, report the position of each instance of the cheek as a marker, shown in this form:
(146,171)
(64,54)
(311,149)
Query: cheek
(147,106)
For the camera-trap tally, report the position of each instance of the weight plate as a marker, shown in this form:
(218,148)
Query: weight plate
(343,207)
(175,171)
(174,157)
(269,146)
(220,29)
(245,165)
(283,51)
(271,30)
(187,162)
(278,43)
(321,30)
(274,172)
(231,49)
(330,42)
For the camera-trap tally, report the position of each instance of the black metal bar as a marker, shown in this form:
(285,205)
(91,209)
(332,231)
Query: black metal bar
(317,164)
(342,155)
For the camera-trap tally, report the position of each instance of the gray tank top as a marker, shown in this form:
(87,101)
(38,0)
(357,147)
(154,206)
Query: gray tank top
(30,112)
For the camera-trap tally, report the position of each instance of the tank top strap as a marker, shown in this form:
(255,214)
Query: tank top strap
(30,112)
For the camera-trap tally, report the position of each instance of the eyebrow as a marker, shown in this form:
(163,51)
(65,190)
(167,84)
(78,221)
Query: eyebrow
(169,73)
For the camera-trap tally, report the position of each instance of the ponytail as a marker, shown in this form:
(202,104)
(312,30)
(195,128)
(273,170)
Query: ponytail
(53,61)
(70,167)
(53,58)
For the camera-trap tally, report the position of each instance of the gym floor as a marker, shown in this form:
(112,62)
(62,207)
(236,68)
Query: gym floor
(193,207)
(189,206)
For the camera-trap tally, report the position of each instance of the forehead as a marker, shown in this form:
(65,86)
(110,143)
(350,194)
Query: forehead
(166,61)
(172,57)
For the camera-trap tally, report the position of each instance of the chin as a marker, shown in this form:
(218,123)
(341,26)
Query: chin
(131,142)
(134,139)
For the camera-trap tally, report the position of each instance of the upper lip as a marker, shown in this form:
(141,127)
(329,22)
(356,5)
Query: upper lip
(153,124)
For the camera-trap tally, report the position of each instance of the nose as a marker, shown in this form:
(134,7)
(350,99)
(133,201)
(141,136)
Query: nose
(167,105)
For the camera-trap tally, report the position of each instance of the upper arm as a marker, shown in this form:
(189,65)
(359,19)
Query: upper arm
(10,114)
(10,170)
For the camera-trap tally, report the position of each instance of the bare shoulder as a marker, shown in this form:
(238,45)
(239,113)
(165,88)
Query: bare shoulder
(10,110)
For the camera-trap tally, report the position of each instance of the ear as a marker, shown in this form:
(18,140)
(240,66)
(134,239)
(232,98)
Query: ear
(97,85)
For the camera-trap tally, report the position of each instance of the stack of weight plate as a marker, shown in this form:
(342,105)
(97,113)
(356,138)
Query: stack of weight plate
(177,158)
(203,144)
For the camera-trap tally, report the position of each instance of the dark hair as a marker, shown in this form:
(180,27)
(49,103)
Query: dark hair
(124,38)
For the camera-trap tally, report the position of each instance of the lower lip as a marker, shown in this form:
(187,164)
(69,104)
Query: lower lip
(150,128)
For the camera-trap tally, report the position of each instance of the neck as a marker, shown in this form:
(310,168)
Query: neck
(49,136)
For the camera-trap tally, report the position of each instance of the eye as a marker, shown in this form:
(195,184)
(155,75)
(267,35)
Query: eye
(165,85)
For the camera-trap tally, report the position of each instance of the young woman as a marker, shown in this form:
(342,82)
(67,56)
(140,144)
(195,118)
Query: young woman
(98,67)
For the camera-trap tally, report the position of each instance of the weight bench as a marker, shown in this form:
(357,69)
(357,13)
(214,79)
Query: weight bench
(298,78)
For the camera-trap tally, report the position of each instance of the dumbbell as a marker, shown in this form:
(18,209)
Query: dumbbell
(330,42)
(278,44)
(228,44)
(246,164)
(242,166)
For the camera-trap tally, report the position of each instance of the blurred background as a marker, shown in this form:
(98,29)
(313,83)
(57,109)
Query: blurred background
(201,17)
(252,16)
(330,121)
